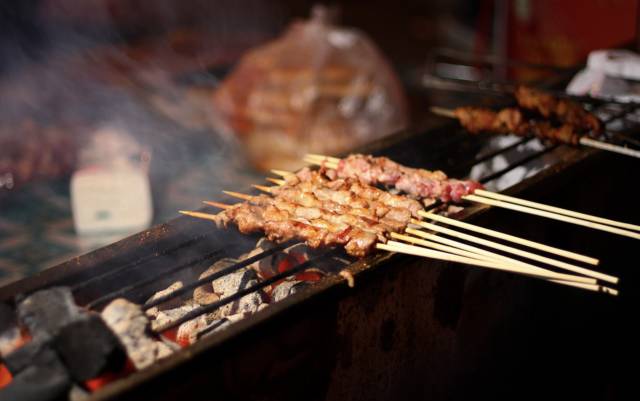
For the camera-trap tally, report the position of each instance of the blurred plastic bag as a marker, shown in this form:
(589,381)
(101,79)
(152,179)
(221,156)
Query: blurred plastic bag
(318,88)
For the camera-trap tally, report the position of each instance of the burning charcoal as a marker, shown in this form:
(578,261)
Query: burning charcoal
(129,323)
(204,294)
(22,357)
(10,340)
(47,311)
(10,336)
(45,378)
(287,288)
(188,331)
(88,348)
(267,266)
(230,284)
(218,325)
(172,303)
(77,393)
(170,315)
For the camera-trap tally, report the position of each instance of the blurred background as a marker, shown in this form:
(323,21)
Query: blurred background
(115,114)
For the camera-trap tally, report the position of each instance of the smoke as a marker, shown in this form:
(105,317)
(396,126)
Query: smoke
(146,68)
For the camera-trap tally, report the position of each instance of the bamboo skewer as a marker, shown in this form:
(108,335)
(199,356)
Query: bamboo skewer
(575,281)
(531,210)
(554,209)
(275,181)
(585,141)
(214,204)
(492,257)
(496,234)
(582,285)
(395,246)
(554,216)
(516,251)
(553,262)
(511,238)
(237,195)
(442,247)
(592,143)
(262,188)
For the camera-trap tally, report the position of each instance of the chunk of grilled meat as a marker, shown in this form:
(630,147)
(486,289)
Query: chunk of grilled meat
(419,183)
(322,217)
(512,121)
(565,110)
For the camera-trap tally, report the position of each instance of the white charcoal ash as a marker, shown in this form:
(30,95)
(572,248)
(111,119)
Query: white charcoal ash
(286,288)
(10,340)
(231,284)
(267,266)
(130,324)
(169,304)
(192,331)
(188,331)
(204,294)
(167,316)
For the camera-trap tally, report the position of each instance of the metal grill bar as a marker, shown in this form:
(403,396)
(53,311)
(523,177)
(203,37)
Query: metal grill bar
(498,88)
(497,152)
(124,290)
(518,163)
(138,262)
(211,307)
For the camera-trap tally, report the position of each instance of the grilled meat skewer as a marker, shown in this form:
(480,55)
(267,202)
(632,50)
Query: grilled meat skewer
(298,213)
(511,121)
(419,183)
(565,110)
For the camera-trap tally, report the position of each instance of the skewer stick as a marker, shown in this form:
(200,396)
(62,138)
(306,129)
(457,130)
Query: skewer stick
(489,256)
(320,162)
(441,247)
(560,217)
(554,209)
(500,257)
(199,215)
(592,143)
(441,111)
(276,181)
(585,141)
(262,188)
(329,158)
(516,251)
(282,173)
(395,246)
(586,286)
(511,238)
(216,204)
(239,195)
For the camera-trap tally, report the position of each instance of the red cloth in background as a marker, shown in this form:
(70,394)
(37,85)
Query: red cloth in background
(562,33)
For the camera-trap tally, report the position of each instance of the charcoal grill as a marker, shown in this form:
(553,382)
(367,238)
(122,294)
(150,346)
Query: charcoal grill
(411,328)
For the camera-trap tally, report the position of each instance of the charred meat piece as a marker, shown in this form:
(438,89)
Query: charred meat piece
(511,121)
(566,111)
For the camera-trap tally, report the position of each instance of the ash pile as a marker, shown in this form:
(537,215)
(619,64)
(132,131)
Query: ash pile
(53,349)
